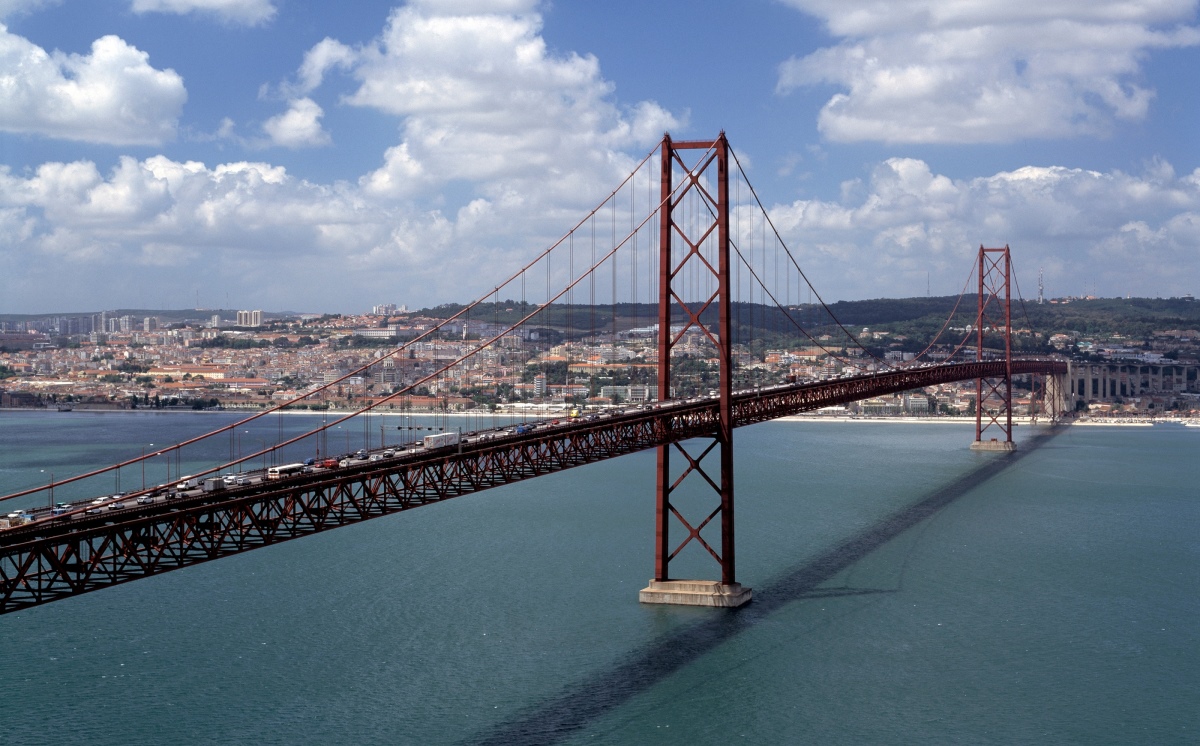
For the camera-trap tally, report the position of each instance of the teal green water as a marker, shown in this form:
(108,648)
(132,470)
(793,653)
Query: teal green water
(906,591)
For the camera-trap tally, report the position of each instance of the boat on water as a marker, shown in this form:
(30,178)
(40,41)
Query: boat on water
(65,407)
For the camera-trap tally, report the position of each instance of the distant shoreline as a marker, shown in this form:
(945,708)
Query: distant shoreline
(947,420)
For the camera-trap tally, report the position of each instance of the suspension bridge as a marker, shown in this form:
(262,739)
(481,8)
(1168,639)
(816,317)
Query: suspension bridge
(685,234)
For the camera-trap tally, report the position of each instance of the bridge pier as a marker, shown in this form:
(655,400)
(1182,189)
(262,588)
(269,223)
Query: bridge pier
(710,593)
(994,445)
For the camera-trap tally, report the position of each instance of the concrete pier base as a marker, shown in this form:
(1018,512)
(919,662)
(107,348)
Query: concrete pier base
(993,445)
(695,593)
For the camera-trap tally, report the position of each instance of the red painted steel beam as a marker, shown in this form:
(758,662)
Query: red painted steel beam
(725,353)
(662,486)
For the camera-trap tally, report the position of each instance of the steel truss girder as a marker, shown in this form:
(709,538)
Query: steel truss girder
(770,404)
(69,558)
(43,563)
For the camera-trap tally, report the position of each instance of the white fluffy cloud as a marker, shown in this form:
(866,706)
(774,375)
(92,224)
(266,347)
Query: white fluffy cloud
(257,232)
(930,71)
(249,228)
(500,139)
(165,222)
(299,126)
(482,100)
(14,7)
(1122,233)
(328,53)
(112,95)
(247,12)
(526,139)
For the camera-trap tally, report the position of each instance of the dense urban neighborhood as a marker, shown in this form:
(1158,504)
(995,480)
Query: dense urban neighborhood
(1128,360)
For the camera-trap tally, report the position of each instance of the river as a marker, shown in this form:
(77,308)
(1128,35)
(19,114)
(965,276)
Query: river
(907,590)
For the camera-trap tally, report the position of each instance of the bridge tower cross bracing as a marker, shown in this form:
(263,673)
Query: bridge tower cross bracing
(995,314)
(686,248)
(1048,396)
(1057,394)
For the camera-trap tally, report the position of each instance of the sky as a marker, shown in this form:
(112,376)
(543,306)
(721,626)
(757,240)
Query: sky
(326,157)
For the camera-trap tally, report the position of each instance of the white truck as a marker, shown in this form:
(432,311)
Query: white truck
(441,440)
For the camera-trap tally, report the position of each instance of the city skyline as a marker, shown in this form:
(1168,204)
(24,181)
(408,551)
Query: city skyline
(335,154)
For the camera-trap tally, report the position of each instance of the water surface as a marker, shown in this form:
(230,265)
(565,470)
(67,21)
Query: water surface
(907,591)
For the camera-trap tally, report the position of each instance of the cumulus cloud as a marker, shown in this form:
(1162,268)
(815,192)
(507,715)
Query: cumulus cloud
(501,144)
(10,8)
(250,227)
(1125,233)
(482,100)
(499,136)
(327,54)
(259,232)
(112,95)
(929,71)
(246,12)
(299,126)
(163,220)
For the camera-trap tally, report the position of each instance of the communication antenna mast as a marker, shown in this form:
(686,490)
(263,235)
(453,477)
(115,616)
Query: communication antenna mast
(1039,286)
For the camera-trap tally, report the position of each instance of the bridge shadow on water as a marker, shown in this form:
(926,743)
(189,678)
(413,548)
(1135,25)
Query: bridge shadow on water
(593,697)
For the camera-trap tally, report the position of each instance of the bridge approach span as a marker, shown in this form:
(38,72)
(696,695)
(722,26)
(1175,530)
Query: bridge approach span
(53,559)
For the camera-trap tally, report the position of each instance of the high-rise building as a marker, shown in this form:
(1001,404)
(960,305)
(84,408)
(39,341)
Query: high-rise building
(249,318)
(71,325)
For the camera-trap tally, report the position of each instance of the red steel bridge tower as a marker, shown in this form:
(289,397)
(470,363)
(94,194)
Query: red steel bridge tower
(694,251)
(995,314)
